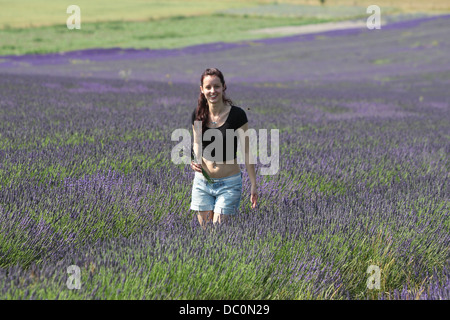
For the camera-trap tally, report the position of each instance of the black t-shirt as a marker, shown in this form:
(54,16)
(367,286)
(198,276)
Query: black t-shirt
(236,119)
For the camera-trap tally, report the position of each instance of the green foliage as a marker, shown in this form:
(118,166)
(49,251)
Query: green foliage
(172,32)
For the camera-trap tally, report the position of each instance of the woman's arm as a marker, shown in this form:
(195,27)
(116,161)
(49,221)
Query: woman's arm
(197,161)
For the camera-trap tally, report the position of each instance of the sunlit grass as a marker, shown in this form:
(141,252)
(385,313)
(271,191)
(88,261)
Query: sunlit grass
(174,32)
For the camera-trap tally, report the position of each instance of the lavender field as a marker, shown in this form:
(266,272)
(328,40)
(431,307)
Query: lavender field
(86,176)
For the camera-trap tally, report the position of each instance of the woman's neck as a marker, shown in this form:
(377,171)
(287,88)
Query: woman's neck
(216,109)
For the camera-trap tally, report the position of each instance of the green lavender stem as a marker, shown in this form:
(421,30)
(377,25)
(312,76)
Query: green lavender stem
(205,174)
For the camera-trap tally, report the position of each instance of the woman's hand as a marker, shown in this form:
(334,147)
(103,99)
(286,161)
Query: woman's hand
(196,166)
(253,196)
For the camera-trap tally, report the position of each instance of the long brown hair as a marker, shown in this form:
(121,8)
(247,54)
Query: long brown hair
(202,111)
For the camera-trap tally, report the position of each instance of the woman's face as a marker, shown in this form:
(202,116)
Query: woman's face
(212,89)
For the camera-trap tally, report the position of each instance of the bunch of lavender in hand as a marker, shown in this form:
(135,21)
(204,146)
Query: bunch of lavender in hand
(205,174)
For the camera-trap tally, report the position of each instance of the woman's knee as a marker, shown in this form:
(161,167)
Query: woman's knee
(204,216)
(220,218)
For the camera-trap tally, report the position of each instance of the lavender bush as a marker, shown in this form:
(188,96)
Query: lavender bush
(86,177)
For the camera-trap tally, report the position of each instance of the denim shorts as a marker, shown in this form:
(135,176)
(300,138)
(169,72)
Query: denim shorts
(223,195)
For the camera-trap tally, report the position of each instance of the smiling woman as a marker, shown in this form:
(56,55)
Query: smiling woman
(219,197)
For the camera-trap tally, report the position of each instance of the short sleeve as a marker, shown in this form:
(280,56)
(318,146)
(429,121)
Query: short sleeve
(241,117)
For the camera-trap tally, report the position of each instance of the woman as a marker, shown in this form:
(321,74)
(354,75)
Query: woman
(218,199)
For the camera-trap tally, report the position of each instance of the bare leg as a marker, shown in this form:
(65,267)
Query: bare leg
(221,218)
(204,217)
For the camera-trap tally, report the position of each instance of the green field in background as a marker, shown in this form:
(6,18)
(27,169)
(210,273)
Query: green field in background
(174,32)
(34,13)
(37,26)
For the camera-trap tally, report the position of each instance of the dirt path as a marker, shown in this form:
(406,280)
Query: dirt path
(312,28)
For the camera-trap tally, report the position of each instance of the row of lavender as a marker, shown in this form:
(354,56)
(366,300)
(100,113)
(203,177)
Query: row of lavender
(356,187)
(86,176)
(417,47)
